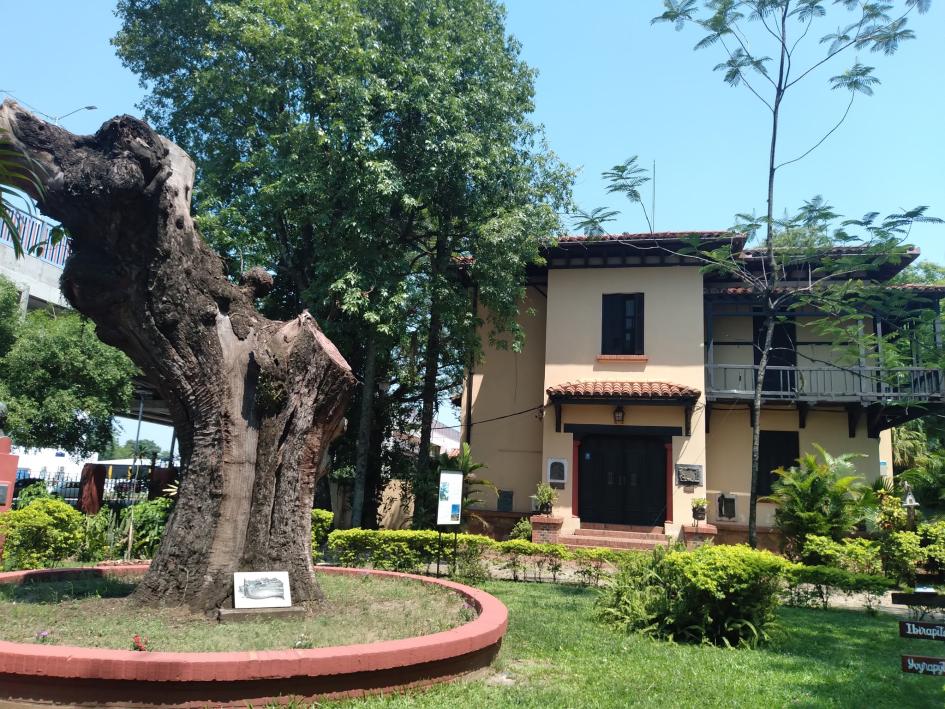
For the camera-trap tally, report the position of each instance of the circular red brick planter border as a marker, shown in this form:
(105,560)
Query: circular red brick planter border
(102,677)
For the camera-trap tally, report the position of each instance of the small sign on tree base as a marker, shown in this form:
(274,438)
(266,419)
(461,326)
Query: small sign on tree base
(261,589)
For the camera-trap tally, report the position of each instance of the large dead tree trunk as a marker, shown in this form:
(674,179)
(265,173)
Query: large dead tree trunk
(255,403)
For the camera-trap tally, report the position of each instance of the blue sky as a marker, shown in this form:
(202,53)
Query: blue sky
(610,85)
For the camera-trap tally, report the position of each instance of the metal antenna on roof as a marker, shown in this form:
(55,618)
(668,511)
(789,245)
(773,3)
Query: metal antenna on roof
(653,210)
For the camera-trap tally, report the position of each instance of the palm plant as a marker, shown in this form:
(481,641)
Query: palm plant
(823,497)
(16,173)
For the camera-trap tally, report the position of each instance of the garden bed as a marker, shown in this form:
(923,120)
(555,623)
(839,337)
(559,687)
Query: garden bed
(96,611)
(45,673)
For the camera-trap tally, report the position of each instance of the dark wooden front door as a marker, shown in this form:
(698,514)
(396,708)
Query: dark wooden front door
(622,480)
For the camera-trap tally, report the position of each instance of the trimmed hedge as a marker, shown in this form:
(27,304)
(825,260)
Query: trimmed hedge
(816,584)
(413,550)
(321,526)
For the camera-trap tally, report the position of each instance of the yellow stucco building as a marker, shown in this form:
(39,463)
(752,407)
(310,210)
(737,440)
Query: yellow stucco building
(632,395)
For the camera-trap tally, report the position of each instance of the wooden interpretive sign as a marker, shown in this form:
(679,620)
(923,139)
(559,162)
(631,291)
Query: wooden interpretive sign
(921,631)
(918,665)
(926,600)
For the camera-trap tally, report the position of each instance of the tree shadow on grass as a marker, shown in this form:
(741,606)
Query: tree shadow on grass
(847,658)
(91,586)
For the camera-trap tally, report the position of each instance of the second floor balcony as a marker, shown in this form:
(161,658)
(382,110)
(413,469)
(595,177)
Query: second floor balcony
(825,383)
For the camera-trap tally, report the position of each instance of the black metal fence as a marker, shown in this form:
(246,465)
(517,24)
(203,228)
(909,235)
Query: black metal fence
(124,484)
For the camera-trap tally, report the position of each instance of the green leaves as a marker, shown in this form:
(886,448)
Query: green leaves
(592,223)
(62,384)
(818,497)
(857,79)
(677,12)
(738,61)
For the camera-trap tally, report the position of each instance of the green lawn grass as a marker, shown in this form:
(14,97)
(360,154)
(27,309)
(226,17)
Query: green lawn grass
(96,613)
(556,655)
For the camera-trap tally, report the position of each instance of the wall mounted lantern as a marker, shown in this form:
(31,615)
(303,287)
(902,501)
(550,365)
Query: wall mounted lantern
(618,414)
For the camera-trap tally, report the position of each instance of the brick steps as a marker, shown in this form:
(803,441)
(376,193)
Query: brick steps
(622,527)
(619,534)
(622,538)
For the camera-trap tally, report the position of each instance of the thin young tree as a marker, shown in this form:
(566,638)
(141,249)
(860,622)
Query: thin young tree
(741,30)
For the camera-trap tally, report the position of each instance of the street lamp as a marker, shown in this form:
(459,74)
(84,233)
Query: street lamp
(56,119)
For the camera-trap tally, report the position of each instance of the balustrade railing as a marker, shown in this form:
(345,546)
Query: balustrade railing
(827,383)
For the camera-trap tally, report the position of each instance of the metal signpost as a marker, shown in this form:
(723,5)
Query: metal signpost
(449,510)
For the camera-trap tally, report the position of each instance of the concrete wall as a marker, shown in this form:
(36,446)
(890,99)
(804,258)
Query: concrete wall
(29,272)
(729,451)
(503,383)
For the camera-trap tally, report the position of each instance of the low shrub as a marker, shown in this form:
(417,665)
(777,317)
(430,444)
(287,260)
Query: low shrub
(724,595)
(514,553)
(901,553)
(522,530)
(932,538)
(41,534)
(36,491)
(98,538)
(362,547)
(821,496)
(321,526)
(145,523)
(409,548)
(396,556)
(590,564)
(814,585)
(470,565)
(858,556)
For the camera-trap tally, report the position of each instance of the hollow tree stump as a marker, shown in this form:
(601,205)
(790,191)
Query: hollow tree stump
(255,402)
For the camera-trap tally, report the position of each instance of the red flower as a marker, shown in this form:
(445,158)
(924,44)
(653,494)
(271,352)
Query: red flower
(138,643)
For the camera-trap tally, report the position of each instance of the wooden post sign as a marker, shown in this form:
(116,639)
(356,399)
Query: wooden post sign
(921,631)
(916,630)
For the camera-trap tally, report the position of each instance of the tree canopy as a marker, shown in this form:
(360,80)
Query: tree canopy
(61,383)
(362,151)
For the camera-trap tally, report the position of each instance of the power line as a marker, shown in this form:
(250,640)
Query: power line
(540,407)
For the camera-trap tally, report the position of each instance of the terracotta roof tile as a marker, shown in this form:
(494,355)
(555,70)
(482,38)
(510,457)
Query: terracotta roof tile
(647,236)
(624,390)
(932,288)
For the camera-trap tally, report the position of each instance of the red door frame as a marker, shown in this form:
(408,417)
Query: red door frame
(575,464)
(669,483)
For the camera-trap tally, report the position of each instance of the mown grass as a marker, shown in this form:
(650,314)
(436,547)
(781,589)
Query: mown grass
(556,655)
(96,612)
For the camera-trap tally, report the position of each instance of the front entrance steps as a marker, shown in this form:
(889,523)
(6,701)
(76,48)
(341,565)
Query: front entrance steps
(615,536)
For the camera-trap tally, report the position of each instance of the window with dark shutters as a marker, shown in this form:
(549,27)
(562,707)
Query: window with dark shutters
(776,449)
(622,324)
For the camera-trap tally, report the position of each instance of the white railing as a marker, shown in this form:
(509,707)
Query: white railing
(35,238)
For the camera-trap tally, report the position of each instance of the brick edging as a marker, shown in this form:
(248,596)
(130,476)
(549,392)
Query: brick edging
(331,671)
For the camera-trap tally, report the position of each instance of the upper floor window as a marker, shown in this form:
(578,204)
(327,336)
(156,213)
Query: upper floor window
(622,325)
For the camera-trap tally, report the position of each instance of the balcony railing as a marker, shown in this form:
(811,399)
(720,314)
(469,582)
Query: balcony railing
(826,383)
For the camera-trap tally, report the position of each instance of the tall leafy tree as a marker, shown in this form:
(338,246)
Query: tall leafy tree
(358,148)
(62,384)
(762,46)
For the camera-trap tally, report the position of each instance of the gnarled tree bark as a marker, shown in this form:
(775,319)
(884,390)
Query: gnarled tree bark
(256,403)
